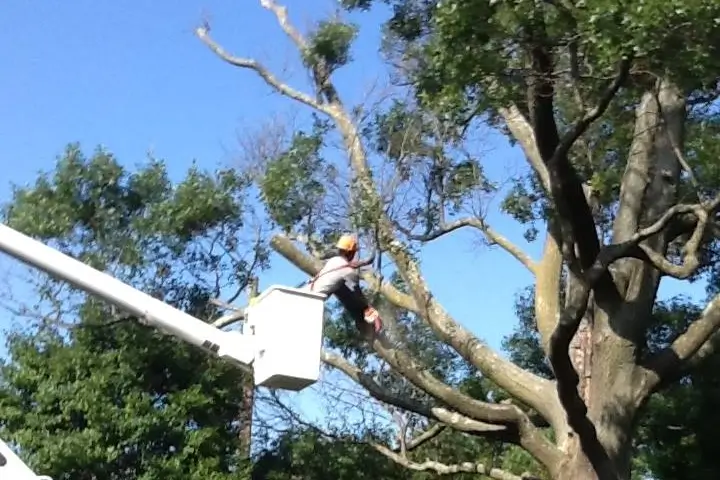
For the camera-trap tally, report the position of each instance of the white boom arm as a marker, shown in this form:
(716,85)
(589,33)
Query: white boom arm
(230,345)
(12,468)
(282,349)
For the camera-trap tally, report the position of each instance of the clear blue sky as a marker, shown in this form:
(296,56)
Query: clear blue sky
(131,76)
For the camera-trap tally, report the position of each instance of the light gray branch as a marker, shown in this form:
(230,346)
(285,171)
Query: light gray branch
(203,33)
(445,469)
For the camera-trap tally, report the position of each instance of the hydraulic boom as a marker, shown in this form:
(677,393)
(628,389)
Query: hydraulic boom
(282,347)
(231,345)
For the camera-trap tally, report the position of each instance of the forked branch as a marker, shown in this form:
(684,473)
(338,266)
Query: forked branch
(492,236)
(530,389)
(281,14)
(634,247)
(203,33)
(518,426)
(440,414)
(580,126)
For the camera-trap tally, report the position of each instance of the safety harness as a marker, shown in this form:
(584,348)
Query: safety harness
(334,269)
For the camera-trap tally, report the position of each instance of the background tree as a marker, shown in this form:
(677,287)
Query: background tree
(90,393)
(607,103)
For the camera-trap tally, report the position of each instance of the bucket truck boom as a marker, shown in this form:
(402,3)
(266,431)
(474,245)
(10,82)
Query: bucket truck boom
(281,347)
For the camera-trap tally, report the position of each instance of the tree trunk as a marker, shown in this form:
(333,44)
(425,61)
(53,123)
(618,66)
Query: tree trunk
(610,385)
(245,417)
(576,466)
(610,338)
(614,434)
(247,402)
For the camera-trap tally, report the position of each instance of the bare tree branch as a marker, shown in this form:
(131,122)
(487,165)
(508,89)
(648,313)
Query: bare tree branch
(547,289)
(252,64)
(633,245)
(579,127)
(281,13)
(694,345)
(707,349)
(443,469)
(522,131)
(440,414)
(523,385)
(425,437)
(477,223)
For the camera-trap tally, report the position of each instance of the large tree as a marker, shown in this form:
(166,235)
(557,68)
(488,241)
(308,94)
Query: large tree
(606,101)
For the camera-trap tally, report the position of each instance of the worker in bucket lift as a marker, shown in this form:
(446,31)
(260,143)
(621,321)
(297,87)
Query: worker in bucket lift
(341,269)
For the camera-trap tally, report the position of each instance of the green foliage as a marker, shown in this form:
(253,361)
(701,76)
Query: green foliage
(474,50)
(307,454)
(82,205)
(294,184)
(434,176)
(329,45)
(120,402)
(467,59)
(674,435)
(110,398)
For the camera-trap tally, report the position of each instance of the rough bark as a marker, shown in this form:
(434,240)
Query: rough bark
(614,389)
(609,386)
(247,402)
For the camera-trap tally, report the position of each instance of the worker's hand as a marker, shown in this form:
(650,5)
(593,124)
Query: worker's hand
(372,316)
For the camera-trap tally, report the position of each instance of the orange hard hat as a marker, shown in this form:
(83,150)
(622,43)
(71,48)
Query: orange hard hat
(347,243)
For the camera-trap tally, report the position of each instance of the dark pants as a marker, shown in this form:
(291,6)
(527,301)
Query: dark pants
(355,304)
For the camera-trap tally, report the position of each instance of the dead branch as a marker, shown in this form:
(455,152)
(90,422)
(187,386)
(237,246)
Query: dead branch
(440,414)
(477,223)
(444,469)
(203,33)
(281,13)
(425,437)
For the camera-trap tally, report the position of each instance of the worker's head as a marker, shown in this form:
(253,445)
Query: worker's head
(347,247)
